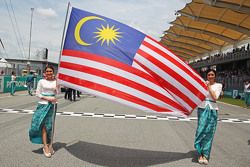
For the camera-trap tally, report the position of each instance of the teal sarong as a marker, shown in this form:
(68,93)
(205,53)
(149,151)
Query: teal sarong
(13,87)
(247,98)
(42,117)
(207,122)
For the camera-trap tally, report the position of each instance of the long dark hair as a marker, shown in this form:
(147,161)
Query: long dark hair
(49,66)
(209,70)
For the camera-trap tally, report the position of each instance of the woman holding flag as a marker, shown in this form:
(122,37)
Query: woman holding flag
(42,120)
(207,119)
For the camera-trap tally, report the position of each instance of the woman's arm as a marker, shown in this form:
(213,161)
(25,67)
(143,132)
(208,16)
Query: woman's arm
(39,93)
(215,94)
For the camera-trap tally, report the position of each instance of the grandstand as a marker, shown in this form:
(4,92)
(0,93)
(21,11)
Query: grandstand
(214,34)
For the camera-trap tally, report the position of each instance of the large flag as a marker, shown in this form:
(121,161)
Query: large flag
(111,60)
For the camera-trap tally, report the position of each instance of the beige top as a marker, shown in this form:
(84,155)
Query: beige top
(217,88)
(45,87)
(13,78)
(247,87)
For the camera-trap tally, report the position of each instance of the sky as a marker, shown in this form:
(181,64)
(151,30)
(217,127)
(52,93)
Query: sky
(151,17)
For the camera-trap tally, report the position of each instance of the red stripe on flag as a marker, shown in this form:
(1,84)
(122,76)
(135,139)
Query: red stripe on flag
(108,61)
(121,80)
(169,86)
(178,64)
(172,73)
(111,91)
(191,68)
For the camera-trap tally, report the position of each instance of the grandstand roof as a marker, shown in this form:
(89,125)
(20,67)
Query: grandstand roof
(206,25)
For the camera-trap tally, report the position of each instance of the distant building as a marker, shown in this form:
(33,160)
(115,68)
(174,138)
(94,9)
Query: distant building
(21,65)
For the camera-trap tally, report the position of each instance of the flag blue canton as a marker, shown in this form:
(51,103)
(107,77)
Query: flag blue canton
(102,36)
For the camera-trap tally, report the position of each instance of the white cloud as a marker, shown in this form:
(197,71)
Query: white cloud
(186,1)
(2,31)
(49,12)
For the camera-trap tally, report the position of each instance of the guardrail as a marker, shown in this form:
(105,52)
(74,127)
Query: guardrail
(229,57)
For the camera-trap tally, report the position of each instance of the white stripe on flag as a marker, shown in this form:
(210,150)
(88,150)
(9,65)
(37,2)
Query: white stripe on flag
(117,86)
(163,49)
(116,71)
(174,67)
(137,66)
(114,98)
(104,95)
(182,101)
(167,77)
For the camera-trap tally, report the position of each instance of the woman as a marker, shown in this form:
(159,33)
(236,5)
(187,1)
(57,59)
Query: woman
(207,119)
(247,93)
(41,125)
(13,83)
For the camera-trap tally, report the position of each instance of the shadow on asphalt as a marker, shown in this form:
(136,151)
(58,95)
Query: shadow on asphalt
(112,156)
(57,146)
(248,142)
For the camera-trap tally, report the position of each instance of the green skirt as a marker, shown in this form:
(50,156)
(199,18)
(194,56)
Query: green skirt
(247,98)
(41,117)
(13,88)
(207,122)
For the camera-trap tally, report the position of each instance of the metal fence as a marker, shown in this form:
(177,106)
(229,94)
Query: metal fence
(224,58)
(233,82)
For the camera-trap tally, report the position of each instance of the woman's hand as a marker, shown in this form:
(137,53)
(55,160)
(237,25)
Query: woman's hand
(212,93)
(208,85)
(50,99)
(53,99)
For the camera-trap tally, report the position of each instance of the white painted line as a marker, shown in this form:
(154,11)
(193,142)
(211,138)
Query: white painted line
(127,116)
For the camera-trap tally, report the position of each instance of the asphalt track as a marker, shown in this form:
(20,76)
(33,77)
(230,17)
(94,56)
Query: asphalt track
(97,132)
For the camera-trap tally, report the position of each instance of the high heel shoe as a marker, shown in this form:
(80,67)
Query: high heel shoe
(48,155)
(205,161)
(51,150)
(200,160)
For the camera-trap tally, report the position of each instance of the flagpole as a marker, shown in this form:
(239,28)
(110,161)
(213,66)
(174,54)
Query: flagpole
(55,105)
(64,27)
(53,123)
(3,48)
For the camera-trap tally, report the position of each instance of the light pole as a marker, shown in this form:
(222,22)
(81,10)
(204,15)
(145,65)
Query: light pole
(28,62)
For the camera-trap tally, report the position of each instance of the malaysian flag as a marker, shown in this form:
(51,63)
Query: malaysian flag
(112,60)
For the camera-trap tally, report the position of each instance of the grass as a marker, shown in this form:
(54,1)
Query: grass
(237,102)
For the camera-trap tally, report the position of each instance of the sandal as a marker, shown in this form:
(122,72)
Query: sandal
(48,155)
